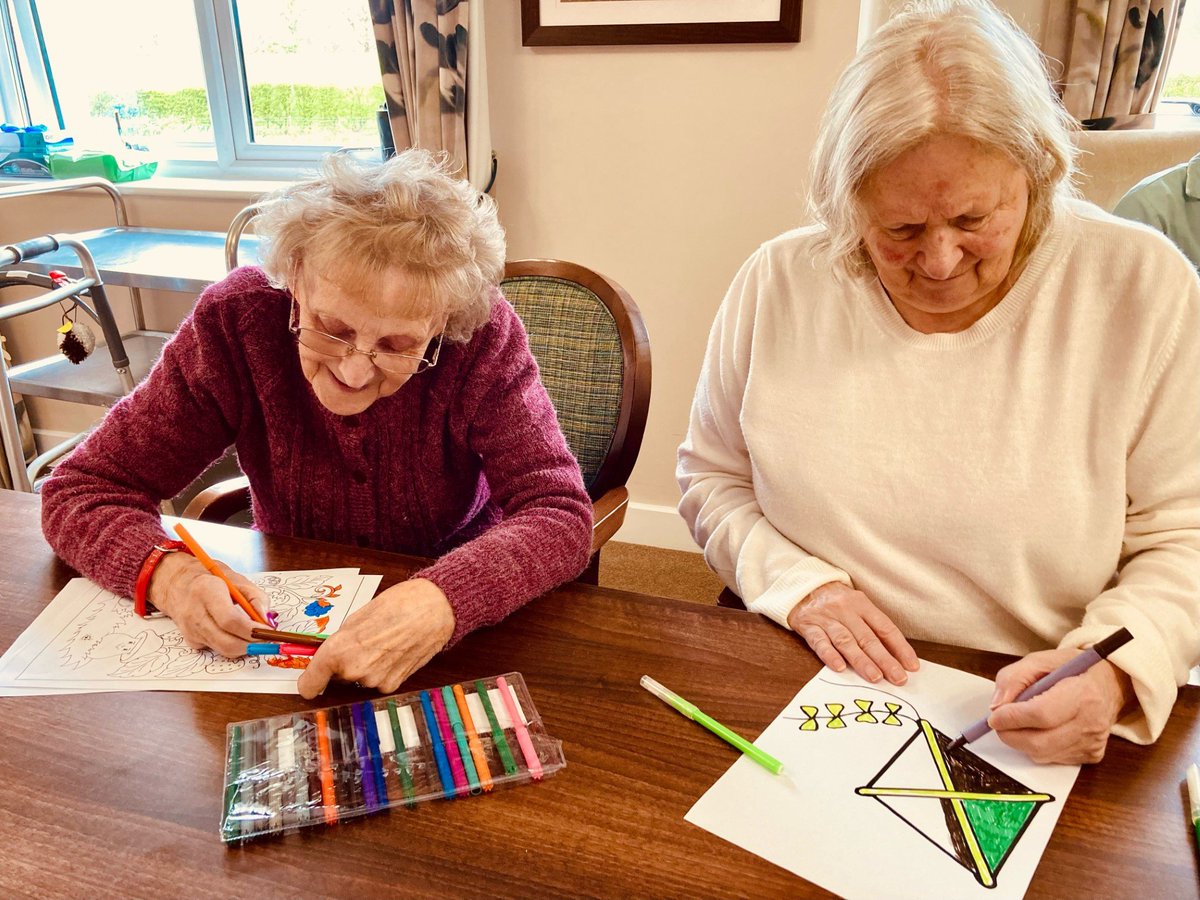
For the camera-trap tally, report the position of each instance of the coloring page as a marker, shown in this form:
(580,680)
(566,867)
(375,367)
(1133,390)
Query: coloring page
(89,639)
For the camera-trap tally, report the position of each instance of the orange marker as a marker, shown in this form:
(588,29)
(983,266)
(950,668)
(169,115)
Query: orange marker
(328,798)
(208,563)
(481,763)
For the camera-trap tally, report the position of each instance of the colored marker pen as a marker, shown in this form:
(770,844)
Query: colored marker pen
(372,729)
(260,649)
(406,781)
(435,741)
(1193,781)
(510,704)
(498,739)
(452,755)
(764,759)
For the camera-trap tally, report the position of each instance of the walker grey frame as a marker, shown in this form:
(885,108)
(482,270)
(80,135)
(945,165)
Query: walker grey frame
(24,477)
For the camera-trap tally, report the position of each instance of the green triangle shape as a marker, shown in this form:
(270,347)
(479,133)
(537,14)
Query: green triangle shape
(997,825)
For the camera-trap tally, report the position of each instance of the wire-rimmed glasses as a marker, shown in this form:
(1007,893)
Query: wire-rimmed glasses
(389,361)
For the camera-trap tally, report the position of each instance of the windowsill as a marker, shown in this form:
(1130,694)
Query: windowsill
(168,186)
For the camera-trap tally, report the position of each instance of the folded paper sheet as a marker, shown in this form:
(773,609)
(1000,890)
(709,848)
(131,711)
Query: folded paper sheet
(876,807)
(87,639)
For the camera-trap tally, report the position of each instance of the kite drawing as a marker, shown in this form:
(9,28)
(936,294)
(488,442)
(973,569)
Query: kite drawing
(958,802)
(869,774)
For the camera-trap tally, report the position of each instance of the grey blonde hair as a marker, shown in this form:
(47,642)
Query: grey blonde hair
(355,220)
(941,67)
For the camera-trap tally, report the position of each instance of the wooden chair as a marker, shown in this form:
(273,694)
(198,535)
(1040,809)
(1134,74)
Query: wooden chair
(593,351)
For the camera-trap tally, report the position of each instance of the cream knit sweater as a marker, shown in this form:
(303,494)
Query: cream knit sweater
(1030,482)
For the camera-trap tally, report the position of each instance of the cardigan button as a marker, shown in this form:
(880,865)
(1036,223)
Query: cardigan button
(351,421)
(359,476)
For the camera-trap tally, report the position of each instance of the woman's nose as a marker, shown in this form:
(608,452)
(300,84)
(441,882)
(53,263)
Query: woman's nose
(356,370)
(940,255)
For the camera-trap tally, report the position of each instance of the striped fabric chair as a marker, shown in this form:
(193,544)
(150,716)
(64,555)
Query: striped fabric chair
(594,356)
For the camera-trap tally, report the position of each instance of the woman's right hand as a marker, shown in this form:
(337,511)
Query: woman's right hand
(843,626)
(200,605)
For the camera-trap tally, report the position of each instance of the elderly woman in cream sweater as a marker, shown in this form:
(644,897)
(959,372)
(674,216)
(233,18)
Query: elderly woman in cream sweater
(963,406)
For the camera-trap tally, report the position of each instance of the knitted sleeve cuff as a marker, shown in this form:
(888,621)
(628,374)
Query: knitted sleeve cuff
(793,586)
(1147,662)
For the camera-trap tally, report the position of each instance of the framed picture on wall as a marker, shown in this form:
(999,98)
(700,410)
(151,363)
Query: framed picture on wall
(560,23)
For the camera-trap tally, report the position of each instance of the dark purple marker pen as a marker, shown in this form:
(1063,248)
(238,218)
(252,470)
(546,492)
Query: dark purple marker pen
(1075,666)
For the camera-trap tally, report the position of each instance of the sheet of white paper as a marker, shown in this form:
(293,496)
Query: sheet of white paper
(862,816)
(87,639)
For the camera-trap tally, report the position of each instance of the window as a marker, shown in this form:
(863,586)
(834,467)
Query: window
(209,86)
(1179,104)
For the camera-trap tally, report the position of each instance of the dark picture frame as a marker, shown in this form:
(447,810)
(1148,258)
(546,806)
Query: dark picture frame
(785,29)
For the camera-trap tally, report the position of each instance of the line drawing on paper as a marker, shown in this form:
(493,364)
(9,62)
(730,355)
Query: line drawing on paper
(983,811)
(107,640)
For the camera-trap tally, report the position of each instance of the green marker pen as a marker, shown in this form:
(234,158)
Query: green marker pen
(1193,780)
(230,827)
(768,762)
(406,781)
(498,740)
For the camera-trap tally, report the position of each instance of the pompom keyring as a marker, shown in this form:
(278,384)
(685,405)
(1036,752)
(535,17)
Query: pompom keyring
(76,340)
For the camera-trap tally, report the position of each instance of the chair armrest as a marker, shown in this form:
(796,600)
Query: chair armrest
(219,502)
(224,499)
(608,514)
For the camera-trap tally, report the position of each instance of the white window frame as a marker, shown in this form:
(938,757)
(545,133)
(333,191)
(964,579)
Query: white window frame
(225,84)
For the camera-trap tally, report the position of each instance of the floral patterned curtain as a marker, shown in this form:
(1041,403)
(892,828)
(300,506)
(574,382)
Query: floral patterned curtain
(433,100)
(1114,55)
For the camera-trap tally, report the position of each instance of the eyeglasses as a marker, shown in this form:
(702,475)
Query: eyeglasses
(387,360)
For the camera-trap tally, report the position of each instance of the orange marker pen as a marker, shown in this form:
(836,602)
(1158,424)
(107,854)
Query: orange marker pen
(481,763)
(209,563)
(328,798)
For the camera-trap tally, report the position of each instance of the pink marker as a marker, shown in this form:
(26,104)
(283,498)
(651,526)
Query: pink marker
(450,745)
(297,650)
(531,757)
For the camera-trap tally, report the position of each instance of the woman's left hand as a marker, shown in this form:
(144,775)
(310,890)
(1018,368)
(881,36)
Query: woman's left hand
(387,640)
(1069,723)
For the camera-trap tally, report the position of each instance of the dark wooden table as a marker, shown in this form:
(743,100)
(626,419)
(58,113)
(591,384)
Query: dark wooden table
(119,794)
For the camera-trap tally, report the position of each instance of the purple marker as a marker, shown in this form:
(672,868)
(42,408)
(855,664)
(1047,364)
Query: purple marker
(1075,666)
(366,771)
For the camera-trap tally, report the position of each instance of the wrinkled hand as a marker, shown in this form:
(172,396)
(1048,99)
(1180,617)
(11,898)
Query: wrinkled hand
(843,626)
(387,640)
(200,605)
(1069,723)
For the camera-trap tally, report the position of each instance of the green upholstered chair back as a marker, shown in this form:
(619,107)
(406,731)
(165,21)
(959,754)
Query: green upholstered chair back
(591,347)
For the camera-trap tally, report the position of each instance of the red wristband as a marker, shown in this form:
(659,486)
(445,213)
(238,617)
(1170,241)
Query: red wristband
(141,605)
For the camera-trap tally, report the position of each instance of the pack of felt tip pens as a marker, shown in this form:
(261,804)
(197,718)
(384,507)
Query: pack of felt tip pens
(324,766)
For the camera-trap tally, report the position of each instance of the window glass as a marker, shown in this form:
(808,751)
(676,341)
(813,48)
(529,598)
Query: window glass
(136,63)
(311,70)
(1179,105)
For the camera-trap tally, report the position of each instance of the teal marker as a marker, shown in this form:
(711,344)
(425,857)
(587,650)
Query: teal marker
(768,762)
(460,737)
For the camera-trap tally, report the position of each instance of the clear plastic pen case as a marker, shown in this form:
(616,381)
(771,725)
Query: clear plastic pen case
(320,767)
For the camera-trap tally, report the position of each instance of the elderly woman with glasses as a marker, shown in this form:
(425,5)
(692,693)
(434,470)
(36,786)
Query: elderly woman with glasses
(379,392)
(963,406)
